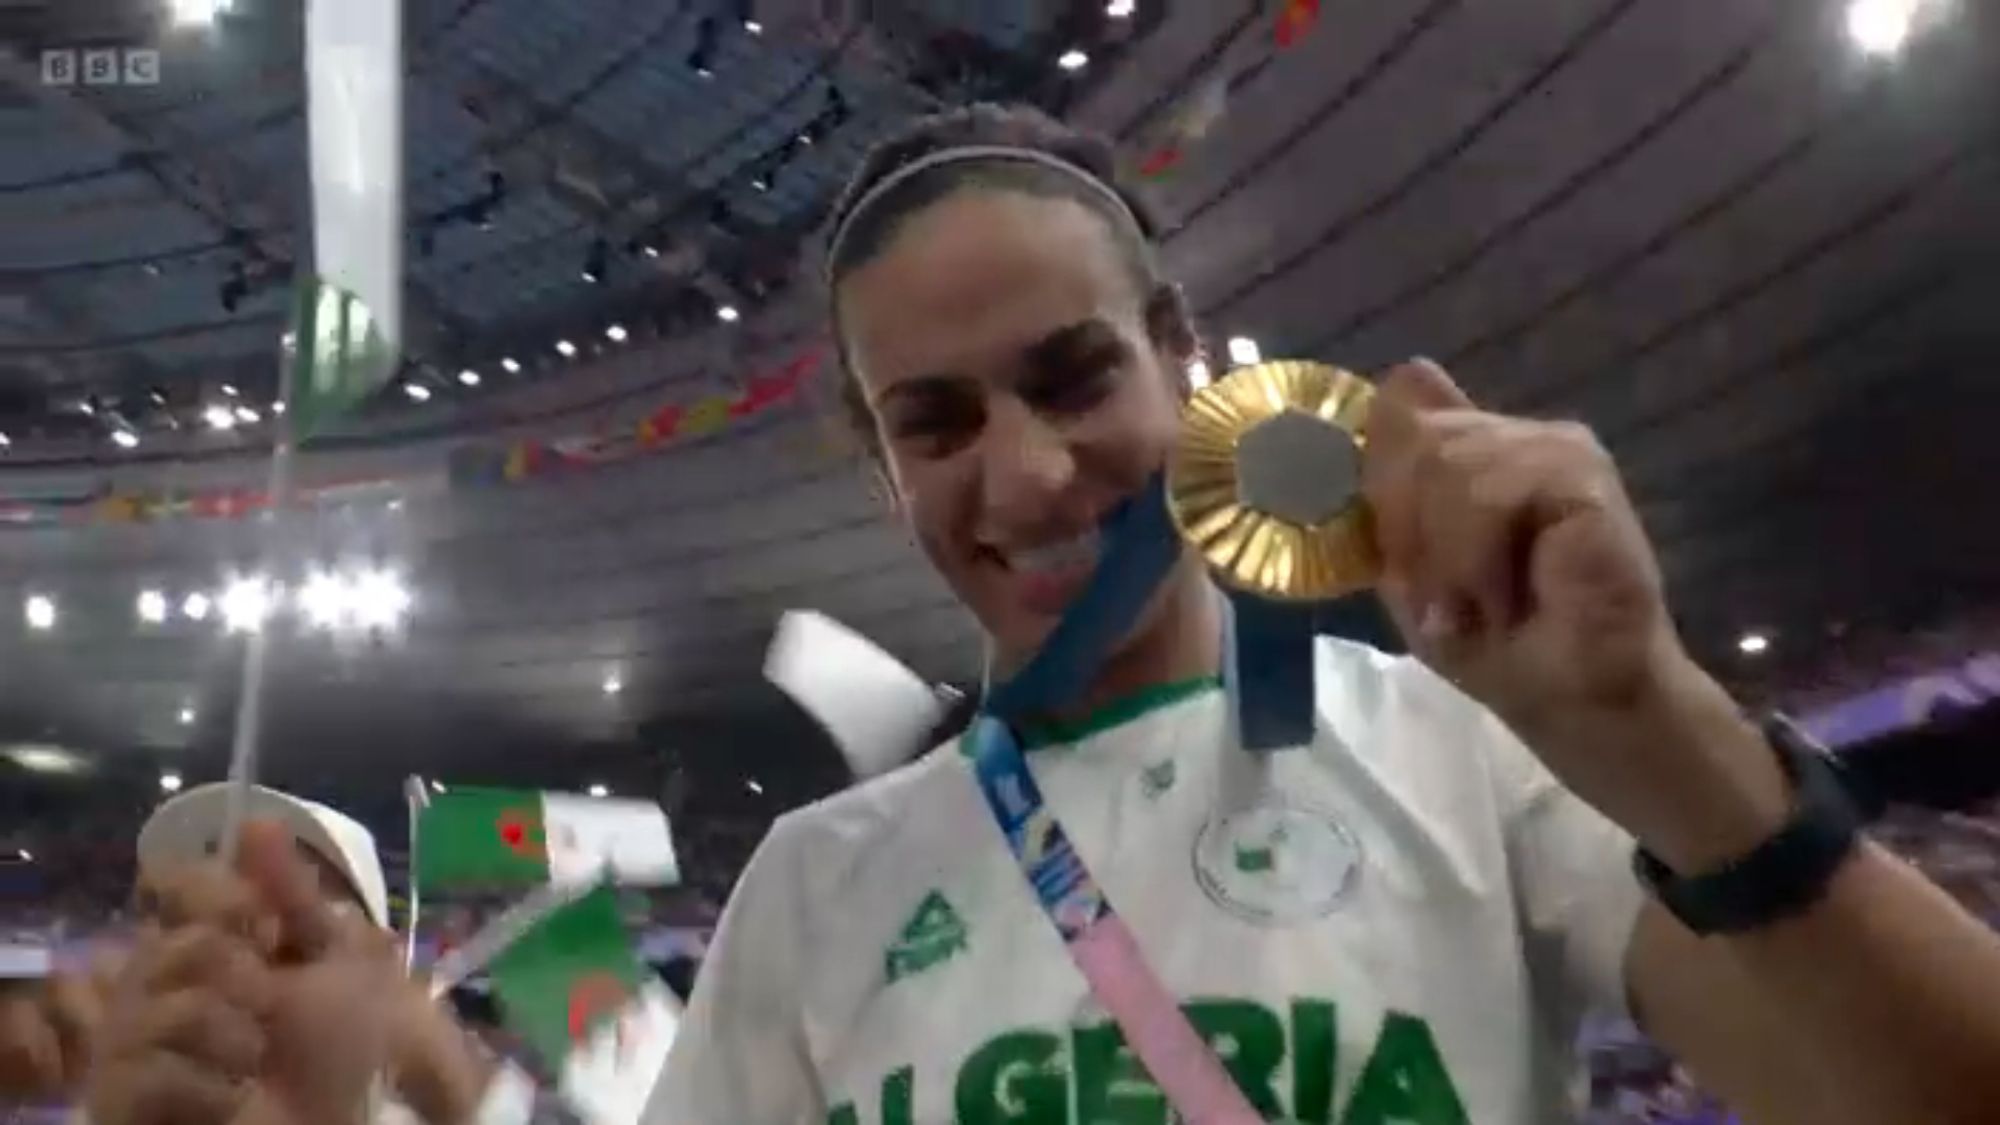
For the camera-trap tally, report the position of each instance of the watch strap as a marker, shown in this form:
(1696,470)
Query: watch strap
(1787,872)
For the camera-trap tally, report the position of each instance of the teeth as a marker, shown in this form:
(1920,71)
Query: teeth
(1081,550)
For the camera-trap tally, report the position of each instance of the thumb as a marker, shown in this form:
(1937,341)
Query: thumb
(268,857)
(1422,386)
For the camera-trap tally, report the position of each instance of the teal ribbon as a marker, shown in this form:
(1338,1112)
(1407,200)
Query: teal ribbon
(1267,646)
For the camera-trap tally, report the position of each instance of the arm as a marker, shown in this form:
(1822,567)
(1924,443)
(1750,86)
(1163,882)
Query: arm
(1881,1003)
(1518,568)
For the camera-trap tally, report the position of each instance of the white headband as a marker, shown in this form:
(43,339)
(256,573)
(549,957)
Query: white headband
(963,153)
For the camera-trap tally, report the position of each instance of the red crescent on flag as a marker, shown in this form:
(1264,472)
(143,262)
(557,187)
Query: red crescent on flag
(594,995)
(520,833)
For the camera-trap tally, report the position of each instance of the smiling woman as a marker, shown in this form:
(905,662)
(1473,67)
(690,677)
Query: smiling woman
(1429,887)
(993,280)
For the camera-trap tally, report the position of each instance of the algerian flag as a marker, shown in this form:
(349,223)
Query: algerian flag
(609,1076)
(492,838)
(875,708)
(568,974)
(348,324)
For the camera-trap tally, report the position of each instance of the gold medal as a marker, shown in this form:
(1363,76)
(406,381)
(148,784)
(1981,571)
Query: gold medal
(1266,481)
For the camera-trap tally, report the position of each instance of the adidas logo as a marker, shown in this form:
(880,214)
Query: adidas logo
(933,935)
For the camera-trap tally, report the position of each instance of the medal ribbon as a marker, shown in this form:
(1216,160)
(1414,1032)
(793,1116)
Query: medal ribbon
(1142,549)
(1268,672)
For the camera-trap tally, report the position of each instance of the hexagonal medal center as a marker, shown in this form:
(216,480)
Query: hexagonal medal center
(1298,468)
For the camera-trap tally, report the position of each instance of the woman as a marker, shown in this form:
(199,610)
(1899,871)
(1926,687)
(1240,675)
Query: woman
(1410,930)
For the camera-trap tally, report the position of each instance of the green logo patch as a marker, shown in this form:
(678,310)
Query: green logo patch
(1253,860)
(933,935)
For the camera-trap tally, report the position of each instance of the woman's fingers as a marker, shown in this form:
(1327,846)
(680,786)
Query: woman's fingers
(206,1029)
(76,1008)
(204,957)
(162,1088)
(30,1049)
(268,857)
(184,1038)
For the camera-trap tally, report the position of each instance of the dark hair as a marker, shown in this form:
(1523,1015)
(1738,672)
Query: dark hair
(1013,126)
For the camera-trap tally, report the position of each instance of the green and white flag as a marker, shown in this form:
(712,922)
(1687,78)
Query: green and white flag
(495,838)
(608,1077)
(347,323)
(337,351)
(573,987)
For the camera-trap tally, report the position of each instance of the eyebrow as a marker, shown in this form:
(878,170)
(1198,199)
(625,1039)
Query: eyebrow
(1070,343)
(1052,352)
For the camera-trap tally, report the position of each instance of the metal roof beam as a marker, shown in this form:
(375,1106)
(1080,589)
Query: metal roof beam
(231,199)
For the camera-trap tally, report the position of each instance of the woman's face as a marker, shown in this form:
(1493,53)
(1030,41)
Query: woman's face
(1001,342)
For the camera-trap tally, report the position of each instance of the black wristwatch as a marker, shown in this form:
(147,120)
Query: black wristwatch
(1787,872)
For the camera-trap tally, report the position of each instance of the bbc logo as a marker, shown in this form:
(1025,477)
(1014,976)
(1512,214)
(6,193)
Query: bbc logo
(101,66)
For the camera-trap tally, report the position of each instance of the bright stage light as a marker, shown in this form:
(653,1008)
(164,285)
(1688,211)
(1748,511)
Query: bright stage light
(195,606)
(1243,351)
(219,418)
(37,757)
(324,599)
(1198,374)
(377,599)
(152,607)
(1753,644)
(170,782)
(598,791)
(1881,27)
(40,610)
(246,603)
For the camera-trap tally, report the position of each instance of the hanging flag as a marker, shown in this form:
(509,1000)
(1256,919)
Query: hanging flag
(337,351)
(511,838)
(1160,161)
(347,319)
(706,416)
(1186,126)
(1295,20)
(1197,113)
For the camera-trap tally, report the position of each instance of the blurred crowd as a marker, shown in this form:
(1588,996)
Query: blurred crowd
(1850,661)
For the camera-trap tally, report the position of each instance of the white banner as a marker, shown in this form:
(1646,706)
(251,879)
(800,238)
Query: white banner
(354,98)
